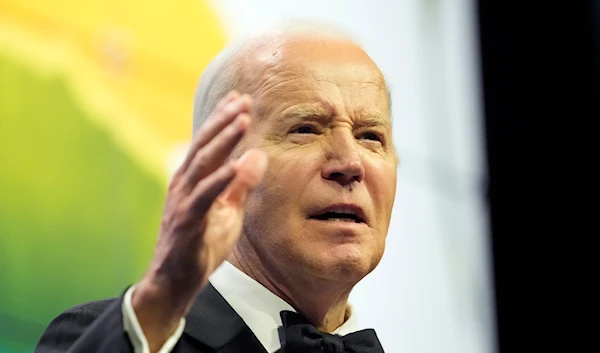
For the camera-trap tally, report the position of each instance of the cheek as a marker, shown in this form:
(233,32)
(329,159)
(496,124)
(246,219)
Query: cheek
(382,185)
(284,184)
(291,172)
(274,217)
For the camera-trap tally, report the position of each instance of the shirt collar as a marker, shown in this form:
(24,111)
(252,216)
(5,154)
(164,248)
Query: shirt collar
(257,306)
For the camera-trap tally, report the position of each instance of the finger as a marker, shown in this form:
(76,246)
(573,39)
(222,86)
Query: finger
(228,109)
(207,190)
(217,122)
(211,156)
(251,169)
(228,98)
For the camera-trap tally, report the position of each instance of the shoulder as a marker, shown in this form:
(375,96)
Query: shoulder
(71,324)
(82,315)
(92,307)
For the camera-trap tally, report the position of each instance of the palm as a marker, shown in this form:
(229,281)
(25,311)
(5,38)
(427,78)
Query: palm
(223,227)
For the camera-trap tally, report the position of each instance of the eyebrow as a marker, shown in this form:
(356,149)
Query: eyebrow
(317,111)
(372,121)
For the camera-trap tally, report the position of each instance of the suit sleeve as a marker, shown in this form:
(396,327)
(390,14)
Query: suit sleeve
(100,328)
(90,328)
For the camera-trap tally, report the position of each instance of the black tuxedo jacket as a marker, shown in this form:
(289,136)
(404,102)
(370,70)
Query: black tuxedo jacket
(211,326)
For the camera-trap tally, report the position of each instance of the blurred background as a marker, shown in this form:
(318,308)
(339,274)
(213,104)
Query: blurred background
(95,113)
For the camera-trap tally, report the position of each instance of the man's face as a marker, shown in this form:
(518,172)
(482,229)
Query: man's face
(322,116)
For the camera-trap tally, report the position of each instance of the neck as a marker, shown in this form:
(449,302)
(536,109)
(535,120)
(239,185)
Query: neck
(323,302)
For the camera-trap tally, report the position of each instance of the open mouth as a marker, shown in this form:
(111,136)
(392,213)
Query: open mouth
(339,217)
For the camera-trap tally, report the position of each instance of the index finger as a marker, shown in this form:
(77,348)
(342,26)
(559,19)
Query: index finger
(219,119)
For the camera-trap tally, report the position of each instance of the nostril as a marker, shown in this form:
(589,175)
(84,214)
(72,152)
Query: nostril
(343,172)
(343,178)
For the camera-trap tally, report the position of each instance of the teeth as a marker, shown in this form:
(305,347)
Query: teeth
(341,220)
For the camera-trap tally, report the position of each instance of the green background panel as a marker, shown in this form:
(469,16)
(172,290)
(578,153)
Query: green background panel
(78,217)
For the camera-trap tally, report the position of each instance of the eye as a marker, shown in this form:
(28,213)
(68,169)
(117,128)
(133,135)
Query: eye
(373,136)
(304,129)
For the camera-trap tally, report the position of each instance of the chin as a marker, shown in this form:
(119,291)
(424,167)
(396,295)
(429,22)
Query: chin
(349,266)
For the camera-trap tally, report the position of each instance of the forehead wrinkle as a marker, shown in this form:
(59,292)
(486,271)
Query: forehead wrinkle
(278,88)
(322,111)
(273,79)
(296,88)
(304,101)
(378,82)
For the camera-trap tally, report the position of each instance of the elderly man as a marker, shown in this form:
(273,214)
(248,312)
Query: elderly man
(284,201)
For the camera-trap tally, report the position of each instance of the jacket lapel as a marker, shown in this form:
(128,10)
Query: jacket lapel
(213,322)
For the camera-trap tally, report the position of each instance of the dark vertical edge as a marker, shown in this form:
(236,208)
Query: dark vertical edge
(540,75)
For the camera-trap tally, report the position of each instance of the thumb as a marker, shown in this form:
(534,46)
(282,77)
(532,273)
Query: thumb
(251,168)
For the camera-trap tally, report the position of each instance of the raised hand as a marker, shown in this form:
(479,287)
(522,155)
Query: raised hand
(202,219)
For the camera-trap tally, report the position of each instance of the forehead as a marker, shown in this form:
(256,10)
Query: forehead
(327,74)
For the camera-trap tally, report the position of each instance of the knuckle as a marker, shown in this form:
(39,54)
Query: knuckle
(201,161)
(180,219)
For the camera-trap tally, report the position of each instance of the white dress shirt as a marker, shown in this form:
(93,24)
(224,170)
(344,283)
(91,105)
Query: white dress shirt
(255,304)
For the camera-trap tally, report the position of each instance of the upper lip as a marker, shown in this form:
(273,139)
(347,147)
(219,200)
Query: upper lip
(343,208)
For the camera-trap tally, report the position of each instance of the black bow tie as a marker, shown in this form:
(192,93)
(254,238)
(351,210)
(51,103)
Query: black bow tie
(302,337)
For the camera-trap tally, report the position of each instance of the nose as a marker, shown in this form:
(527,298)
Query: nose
(344,162)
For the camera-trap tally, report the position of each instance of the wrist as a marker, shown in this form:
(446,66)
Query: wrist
(155,320)
(164,302)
